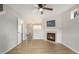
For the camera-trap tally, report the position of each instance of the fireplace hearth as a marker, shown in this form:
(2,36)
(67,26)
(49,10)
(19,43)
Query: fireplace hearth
(51,36)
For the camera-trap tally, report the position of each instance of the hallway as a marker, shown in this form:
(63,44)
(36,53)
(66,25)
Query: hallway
(40,47)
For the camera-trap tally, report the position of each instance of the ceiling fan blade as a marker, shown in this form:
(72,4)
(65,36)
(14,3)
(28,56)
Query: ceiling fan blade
(40,5)
(48,8)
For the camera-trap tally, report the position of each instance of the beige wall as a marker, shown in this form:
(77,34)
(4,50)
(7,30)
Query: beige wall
(70,30)
(8,30)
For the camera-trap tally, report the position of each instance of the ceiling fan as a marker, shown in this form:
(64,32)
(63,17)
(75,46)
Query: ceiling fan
(42,7)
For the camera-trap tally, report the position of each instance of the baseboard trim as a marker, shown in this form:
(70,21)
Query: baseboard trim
(9,49)
(71,48)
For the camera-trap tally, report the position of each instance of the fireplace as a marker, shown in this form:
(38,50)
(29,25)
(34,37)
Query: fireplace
(51,36)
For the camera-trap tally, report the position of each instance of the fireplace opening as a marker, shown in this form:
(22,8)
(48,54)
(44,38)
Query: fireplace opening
(51,36)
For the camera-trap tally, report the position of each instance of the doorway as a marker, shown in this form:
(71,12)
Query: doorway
(29,31)
(20,31)
(37,31)
(34,31)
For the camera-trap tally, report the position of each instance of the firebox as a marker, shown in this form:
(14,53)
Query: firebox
(51,36)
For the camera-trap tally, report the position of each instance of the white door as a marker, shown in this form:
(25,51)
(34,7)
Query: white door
(37,31)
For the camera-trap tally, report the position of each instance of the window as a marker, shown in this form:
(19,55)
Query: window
(74,14)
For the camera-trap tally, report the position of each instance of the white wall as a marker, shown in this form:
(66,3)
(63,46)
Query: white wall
(32,19)
(70,30)
(8,30)
(58,28)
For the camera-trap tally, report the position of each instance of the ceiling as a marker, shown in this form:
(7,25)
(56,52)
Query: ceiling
(30,12)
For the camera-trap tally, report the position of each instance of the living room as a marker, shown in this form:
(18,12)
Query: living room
(57,23)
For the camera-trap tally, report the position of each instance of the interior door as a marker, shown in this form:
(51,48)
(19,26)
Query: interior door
(37,31)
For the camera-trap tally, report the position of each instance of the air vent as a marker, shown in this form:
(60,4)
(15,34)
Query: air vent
(1,7)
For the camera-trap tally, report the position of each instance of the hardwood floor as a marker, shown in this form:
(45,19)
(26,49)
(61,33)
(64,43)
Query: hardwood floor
(40,47)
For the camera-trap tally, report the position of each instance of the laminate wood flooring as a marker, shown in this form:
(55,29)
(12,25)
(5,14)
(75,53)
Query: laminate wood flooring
(40,47)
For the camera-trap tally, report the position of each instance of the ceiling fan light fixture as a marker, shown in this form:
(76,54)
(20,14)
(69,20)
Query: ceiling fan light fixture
(41,9)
